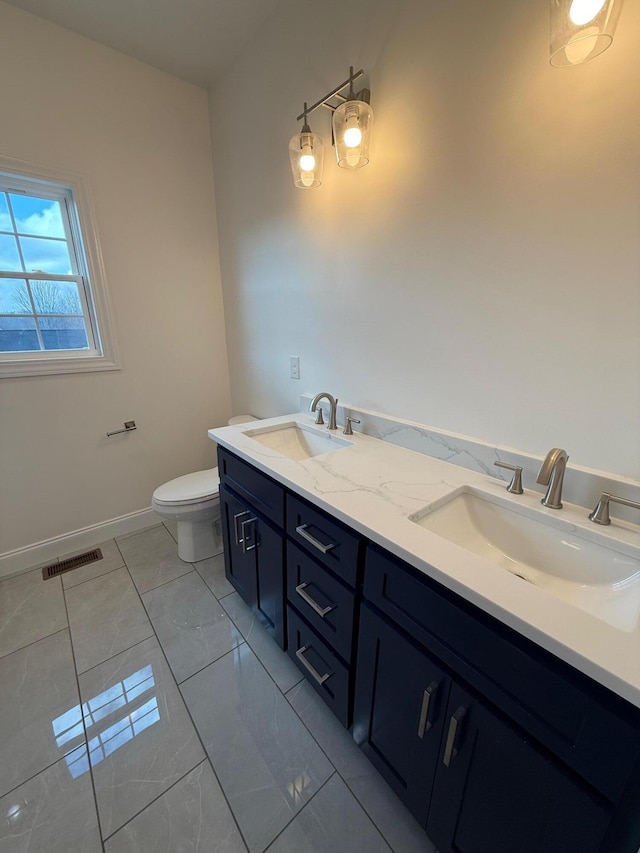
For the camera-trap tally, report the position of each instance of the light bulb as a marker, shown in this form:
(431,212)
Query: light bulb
(352,136)
(307,161)
(583,11)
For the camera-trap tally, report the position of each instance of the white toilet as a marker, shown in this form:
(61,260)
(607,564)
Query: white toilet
(194,502)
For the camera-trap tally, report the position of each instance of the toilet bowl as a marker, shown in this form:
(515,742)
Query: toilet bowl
(193,501)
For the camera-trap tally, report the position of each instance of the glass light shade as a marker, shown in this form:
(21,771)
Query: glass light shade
(581,29)
(306,153)
(352,123)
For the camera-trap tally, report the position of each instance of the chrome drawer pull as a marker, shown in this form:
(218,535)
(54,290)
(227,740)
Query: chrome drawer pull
(302,530)
(313,672)
(321,611)
(451,749)
(235,524)
(245,538)
(425,723)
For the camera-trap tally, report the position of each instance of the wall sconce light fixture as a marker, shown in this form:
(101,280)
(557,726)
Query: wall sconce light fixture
(581,29)
(306,153)
(351,134)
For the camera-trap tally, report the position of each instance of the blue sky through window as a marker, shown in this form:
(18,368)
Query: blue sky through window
(38,216)
(44,245)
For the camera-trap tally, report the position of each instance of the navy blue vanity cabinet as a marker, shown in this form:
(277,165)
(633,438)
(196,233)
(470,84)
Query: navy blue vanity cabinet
(323,568)
(496,791)
(251,505)
(530,755)
(400,709)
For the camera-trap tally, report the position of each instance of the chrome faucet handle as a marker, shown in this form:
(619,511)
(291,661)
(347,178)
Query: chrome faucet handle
(515,486)
(600,514)
(319,418)
(347,426)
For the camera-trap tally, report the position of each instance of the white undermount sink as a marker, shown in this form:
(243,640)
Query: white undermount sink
(297,441)
(589,573)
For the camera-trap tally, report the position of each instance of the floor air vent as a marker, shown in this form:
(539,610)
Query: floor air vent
(70,563)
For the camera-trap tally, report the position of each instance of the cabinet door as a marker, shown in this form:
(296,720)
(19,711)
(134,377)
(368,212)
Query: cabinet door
(496,792)
(239,557)
(269,583)
(400,701)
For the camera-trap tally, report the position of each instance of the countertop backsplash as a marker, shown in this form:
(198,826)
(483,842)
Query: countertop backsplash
(582,486)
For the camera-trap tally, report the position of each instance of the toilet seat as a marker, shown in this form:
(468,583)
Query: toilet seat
(189,489)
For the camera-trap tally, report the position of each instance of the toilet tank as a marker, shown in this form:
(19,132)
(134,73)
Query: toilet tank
(241,419)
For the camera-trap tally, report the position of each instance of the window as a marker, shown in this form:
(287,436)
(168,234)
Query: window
(54,315)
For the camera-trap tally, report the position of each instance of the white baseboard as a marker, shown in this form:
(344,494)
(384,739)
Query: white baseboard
(23,559)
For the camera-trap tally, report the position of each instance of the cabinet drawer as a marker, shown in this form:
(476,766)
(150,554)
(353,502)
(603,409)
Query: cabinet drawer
(324,671)
(329,541)
(325,602)
(591,730)
(263,493)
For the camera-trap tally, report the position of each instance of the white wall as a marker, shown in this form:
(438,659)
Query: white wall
(141,139)
(482,273)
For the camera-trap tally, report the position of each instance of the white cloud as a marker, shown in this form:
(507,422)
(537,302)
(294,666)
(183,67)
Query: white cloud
(48,223)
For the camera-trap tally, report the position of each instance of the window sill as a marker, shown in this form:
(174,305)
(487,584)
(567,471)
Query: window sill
(55,366)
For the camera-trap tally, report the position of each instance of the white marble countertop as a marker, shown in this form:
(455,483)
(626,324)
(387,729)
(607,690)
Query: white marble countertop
(374,487)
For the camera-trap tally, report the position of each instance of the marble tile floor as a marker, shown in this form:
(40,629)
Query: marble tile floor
(143,709)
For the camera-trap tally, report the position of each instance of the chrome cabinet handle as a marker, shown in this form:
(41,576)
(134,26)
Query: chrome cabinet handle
(245,538)
(321,611)
(302,530)
(311,669)
(235,524)
(425,723)
(451,748)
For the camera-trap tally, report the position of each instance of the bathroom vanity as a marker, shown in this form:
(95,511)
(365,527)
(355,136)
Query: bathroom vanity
(507,720)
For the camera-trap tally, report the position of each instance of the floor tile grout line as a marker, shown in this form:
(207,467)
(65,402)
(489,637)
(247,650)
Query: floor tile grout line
(153,635)
(88,580)
(164,583)
(195,728)
(84,725)
(218,598)
(173,580)
(366,810)
(311,735)
(121,652)
(299,812)
(217,660)
(43,770)
(205,760)
(138,532)
(137,643)
(256,654)
(242,642)
(168,529)
(346,782)
(33,642)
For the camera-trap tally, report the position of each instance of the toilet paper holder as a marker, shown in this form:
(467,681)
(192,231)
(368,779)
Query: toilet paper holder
(129,426)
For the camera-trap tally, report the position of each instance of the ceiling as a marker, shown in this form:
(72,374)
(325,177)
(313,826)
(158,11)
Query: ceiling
(192,39)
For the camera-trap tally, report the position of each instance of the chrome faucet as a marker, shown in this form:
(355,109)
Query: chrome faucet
(551,474)
(333,406)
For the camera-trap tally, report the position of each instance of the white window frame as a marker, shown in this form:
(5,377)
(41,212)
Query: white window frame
(82,239)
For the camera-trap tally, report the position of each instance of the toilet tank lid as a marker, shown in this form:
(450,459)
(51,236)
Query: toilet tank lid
(189,487)
(241,419)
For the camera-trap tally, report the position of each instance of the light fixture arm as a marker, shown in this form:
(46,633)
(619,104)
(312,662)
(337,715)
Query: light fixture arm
(305,126)
(364,95)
